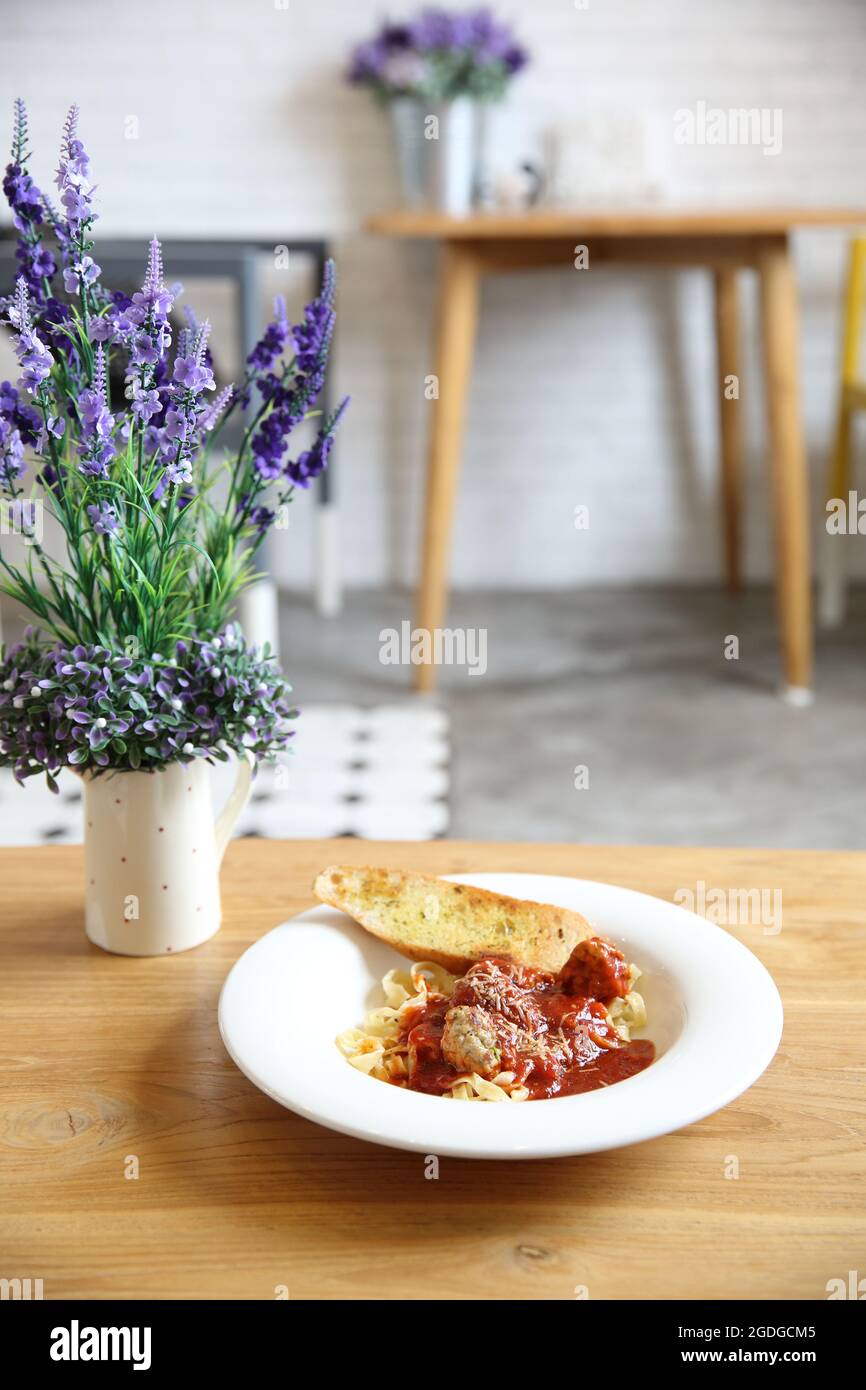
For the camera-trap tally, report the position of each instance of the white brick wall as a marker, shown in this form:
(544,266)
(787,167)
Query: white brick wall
(591,387)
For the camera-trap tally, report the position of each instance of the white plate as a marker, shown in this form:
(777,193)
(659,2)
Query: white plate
(715,1017)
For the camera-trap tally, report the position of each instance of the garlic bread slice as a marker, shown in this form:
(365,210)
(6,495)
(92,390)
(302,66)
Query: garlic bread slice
(426,918)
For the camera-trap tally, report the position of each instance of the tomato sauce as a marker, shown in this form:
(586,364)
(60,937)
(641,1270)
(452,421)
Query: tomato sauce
(617,1064)
(567,1044)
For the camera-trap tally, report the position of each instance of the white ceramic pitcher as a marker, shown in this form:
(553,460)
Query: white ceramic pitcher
(152,854)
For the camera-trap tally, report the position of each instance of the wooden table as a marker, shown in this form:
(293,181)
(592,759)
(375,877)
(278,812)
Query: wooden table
(724,242)
(107,1058)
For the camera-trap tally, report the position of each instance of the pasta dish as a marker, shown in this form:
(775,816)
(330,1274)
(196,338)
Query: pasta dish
(506,1031)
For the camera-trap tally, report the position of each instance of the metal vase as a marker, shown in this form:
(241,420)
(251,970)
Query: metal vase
(483,193)
(407,122)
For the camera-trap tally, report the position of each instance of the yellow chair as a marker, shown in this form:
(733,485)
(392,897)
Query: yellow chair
(852,397)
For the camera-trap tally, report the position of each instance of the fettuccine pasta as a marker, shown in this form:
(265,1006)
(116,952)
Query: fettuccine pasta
(379,1047)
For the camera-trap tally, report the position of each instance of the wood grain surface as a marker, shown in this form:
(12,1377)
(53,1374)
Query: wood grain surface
(107,1057)
(618,222)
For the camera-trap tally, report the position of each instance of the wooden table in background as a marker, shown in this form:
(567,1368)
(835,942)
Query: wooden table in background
(104,1057)
(720,240)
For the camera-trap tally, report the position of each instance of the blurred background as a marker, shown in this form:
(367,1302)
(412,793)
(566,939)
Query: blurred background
(610,707)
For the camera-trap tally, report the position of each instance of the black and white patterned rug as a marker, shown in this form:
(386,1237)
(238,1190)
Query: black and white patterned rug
(380,773)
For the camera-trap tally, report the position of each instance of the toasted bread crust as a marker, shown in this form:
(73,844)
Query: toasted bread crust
(453,924)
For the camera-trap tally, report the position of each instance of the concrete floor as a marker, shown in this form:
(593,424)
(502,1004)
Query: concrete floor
(681,746)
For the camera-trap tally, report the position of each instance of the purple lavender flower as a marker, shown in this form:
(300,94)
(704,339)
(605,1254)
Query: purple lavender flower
(145,350)
(440,55)
(314,461)
(213,412)
(390,61)
(24,418)
(153,300)
(115,324)
(311,339)
(193,374)
(35,263)
(177,468)
(260,518)
(52,427)
(103,518)
(96,448)
(35,359)
(146,321)
(168,415)
(269,444)
(142,325)
(175,427)
(145,403)
(100,330)
(23,196)
(441,29)
(309,464)
(12,463)
(83,272)
(273,341)
(181,432)
(55,324)
(72,178)
(367,62)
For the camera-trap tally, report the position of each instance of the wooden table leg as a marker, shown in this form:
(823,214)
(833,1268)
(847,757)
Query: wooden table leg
(833,580)
(789,471)
(730,418)
(458,316)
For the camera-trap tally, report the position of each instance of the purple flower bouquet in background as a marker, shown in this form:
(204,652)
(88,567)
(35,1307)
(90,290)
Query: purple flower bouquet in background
(437,75)
(132,662)
(441,55)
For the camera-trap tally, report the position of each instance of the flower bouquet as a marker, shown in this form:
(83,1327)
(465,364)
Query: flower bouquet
(439,56)
(433,73)
(133,674)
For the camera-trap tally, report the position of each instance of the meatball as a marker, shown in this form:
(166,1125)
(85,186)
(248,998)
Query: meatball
(595,970)
(470,1040)
(500,988)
